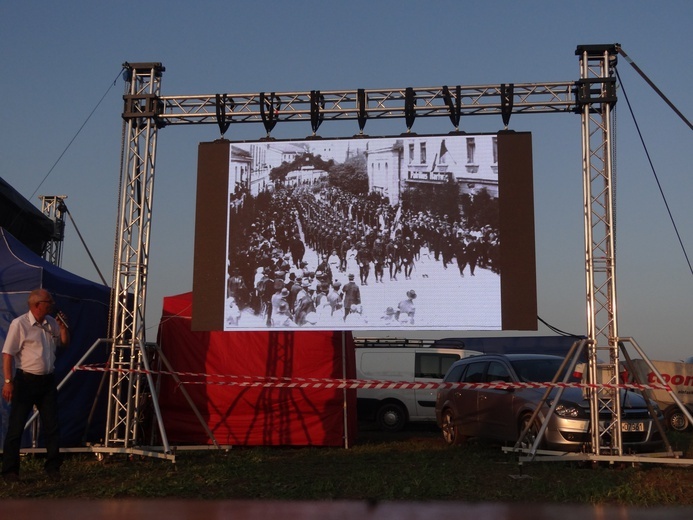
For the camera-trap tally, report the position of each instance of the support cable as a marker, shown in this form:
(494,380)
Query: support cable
(654,87)
(654,172)
(78,132)
(64,208)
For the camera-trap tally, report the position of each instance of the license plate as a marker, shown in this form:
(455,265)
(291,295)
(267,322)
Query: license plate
(632,427)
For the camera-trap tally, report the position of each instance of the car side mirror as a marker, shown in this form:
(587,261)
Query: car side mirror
(500,382)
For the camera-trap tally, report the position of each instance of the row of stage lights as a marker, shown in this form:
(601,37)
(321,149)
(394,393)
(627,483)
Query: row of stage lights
(270,108)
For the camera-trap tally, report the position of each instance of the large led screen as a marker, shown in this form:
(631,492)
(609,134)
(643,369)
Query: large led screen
(410,232)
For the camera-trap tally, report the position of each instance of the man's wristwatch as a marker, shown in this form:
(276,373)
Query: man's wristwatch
(7,381)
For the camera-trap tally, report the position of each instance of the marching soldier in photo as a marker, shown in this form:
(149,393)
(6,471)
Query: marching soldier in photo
(298,250)
(378,259)
(461,254)
(392,255)
(447,248)
(363,259)
(472,253)
(407,256)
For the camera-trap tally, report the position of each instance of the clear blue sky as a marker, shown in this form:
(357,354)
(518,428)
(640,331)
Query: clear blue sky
(59,58)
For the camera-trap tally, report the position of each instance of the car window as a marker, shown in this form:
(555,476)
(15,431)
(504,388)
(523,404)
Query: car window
(434,365)
(455,374)
(538,370)
(446,361)
(497,372)
(474,372)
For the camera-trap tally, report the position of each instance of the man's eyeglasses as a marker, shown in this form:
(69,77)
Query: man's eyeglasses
(45,301)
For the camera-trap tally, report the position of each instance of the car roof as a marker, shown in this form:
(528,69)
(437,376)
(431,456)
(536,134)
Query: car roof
(509,357)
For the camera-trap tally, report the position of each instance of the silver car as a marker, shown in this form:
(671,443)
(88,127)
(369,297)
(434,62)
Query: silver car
(502,414)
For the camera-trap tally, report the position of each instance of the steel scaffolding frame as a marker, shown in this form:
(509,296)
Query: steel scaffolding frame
(129,364)
(146,111)
(53,206)
(597,96)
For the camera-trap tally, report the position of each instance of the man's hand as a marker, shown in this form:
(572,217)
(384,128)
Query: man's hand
(7,391)
(62,320)
(64,329)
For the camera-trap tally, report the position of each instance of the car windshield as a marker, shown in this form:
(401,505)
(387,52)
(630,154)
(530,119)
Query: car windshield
(539,370)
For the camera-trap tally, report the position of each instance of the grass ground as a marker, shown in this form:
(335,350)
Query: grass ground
(413,466)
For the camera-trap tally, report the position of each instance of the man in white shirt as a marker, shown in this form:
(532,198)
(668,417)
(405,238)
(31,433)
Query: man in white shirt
(30,346)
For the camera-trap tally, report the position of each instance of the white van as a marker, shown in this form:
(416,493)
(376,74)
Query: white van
(679,376)
(393,408)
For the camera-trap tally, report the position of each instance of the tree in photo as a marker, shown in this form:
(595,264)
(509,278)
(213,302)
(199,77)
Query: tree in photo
(481,210)
(350,176)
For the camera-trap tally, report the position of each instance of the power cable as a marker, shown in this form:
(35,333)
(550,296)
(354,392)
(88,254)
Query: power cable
(559,331)
(654,172)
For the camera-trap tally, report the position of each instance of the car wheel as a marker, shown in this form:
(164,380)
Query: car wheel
(677,420)
(451,430)
(391,417)
(528,440)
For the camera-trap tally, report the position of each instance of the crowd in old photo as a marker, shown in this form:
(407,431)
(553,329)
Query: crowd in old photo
(303,256)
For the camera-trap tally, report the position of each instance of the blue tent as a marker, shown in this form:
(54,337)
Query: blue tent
(26,222)
(86,304)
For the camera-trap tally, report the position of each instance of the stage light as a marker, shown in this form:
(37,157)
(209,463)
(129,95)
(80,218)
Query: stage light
(455,106)
(269,110)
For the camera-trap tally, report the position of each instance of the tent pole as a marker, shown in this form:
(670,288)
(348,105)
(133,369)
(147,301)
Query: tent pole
(344,392)
(94,405)
(155,399)
(185,393)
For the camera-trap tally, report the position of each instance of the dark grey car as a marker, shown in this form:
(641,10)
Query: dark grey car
(501,414)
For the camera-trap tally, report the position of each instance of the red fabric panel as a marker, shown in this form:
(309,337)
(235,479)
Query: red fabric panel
(253,416)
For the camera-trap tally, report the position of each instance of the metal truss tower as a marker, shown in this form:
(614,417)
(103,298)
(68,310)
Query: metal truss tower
(53,206)
(146,111)
(596,95)
(128,358)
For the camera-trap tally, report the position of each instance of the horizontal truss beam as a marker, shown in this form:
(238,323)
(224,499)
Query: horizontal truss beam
(362,104)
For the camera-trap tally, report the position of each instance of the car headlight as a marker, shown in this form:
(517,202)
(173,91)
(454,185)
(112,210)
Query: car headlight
(569,410)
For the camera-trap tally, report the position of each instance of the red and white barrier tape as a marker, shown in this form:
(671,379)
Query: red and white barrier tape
(351,384)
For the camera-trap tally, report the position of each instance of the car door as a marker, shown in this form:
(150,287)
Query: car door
(464,400)
(495,415)
(430,367)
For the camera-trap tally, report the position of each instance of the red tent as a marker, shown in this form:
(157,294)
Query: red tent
(244,415)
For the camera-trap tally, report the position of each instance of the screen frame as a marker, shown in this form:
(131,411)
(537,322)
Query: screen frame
(518,292)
